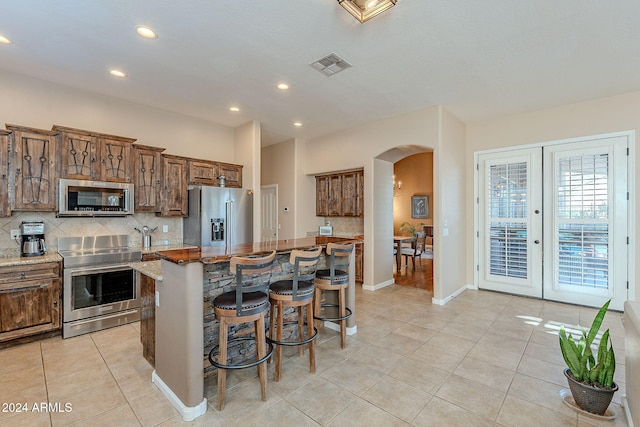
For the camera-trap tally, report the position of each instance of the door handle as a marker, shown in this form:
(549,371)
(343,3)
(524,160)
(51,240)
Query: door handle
(537,242)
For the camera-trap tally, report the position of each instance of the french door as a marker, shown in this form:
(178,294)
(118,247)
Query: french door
(553,221)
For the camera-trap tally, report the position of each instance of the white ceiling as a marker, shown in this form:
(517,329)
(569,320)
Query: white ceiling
(480,59)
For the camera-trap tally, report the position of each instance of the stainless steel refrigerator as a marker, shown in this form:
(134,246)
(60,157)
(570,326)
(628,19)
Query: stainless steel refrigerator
(218,216)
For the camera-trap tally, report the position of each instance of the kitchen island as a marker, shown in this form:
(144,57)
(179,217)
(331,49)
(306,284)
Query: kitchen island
(186,328)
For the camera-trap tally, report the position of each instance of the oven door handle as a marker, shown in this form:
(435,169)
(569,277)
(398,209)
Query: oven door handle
(100,269)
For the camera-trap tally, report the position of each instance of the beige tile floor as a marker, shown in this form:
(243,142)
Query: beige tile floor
(484,359)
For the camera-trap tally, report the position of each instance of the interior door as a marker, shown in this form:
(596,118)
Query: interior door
(586,221)
(269,220)
(510,222)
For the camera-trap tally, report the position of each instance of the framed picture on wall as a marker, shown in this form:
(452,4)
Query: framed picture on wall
(419,206)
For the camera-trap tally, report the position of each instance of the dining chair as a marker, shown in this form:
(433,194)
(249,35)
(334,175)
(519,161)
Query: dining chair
(415,250)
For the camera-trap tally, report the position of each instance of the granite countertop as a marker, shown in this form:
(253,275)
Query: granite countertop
(152,269)
(13,258)
(213,254)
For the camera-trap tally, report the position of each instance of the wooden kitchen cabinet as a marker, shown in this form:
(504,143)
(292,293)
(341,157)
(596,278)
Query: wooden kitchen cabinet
(5,209)
(89,155)
(340,194)
(147,173)
(359,256)
(30,300)
(148,317)
(32,169)
(203,172)
(232,174)
(174,198)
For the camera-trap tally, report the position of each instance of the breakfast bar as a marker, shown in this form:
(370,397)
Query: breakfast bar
(186,328)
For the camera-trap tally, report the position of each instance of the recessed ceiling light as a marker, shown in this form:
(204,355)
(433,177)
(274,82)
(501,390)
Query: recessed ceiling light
(234,109)
(283,86)
(297,124)
(117,73)
(146,32)
(4,40)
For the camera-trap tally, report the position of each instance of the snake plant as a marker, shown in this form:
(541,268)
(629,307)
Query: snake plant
(577,354)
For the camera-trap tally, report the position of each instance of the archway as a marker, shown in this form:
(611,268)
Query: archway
(379,225)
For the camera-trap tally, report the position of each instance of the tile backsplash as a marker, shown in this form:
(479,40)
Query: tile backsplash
(346,226)
(55,228)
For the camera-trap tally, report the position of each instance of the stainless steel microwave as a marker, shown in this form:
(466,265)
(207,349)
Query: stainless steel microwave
(94,198)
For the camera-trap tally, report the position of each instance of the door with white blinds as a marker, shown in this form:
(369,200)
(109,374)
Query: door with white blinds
(586,222)
(510,252)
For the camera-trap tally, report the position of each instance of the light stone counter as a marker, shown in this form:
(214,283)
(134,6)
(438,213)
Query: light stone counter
(10,258)
(152,269)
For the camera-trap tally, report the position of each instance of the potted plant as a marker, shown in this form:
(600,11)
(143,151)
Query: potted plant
(408,228)
(590,376)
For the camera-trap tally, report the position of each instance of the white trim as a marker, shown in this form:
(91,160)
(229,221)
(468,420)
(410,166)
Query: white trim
(631,212)
(378,286)
(627,412)
(188,413)
(452,296)
(351,330)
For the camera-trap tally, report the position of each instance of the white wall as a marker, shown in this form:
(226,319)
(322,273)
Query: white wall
(599,116)
(36,103)
(279,167)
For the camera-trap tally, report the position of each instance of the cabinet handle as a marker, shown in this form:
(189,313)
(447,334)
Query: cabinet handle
(23,275)
(55,304)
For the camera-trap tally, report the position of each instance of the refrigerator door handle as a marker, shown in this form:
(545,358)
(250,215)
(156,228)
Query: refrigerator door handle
(229,237)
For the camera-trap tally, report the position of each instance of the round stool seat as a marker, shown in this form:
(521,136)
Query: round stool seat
(340,276)
(285,287)
(250,301)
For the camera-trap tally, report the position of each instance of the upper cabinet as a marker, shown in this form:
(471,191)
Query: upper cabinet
(147,172)
(340,194)
(32,169)
(231,173)
(5,209)
(174,199)
(95,156)
(202,172)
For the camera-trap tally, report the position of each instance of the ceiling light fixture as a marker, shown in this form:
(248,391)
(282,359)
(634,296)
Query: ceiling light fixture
(146,32)
(297,124)
(283,86)
(363,10)
(4,40)
(117,73)
(234,109)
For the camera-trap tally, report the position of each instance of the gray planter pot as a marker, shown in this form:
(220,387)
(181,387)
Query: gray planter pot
(592,399)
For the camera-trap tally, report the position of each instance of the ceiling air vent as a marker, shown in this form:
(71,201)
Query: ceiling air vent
(330,64)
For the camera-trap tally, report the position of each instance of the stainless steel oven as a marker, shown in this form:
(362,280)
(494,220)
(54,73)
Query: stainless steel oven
(100,289)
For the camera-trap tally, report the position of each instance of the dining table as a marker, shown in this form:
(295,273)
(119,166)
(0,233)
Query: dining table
(397,245)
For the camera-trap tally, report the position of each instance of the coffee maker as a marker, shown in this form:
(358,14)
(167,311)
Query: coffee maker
(32,238)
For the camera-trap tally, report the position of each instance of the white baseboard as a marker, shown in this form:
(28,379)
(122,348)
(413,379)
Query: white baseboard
(450,297)
(378,286)
(351,330)
(188,413)
(627,412)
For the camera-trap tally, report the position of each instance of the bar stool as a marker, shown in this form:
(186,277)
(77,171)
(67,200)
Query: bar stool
(335,278)
(248,302)
(297,292)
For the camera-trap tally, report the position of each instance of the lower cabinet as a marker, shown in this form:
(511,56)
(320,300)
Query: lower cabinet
(359,263)
(30,300)
(148,317)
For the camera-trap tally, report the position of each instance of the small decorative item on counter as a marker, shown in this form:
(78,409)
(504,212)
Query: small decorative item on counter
(146,235)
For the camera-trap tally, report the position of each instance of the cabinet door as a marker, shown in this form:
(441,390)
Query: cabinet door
(78,156)
(174,197)
(359,263)
(34,167)
(232,174)
(335,195)
(36,303)
(4,174)
(202,172)
(350,194)
(148,317)
(115,160)
(147,178)
(360,195)
(322,195)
